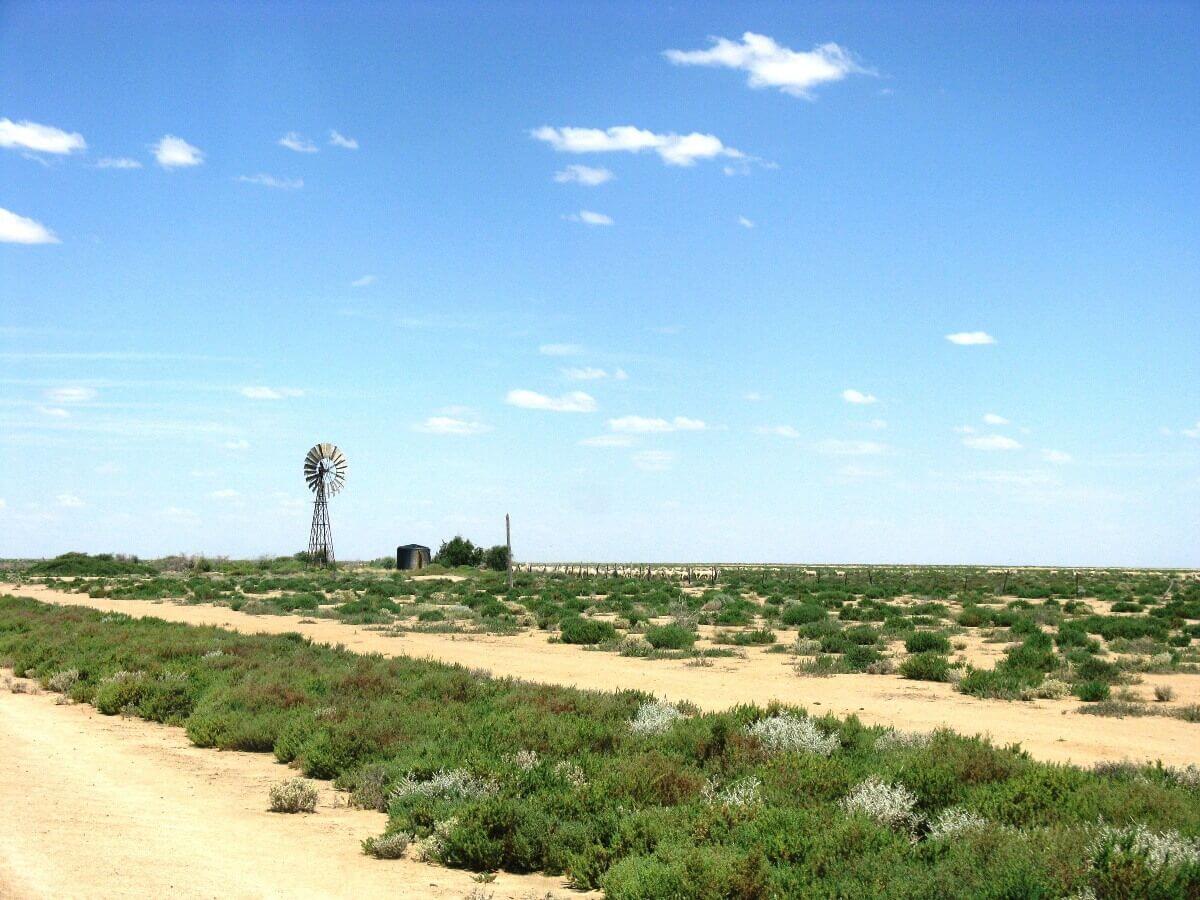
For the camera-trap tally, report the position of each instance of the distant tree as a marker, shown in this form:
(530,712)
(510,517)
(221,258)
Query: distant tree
(496,558)
(458,551)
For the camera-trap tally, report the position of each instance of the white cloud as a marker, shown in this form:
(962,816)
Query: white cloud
(584,373)
(365,281)
(1193,432)
(673,149)
(450,425)
(744,222)
(752,396)
(850,395)
(70,501)
(991,442)
(560,349)
(993,419)
(70,394)
(260,392)
(646,425)
(970,338)
(876,424)
(1057,456)
(3,503)
(964,429)
(769,64)
(575,401)
(607,440)
(297,142)
(39,138)
(587,217)
(239,444)
(118,162)
(786,431)
(340,140)
(589,176)
(55,412)
(283,184)
(654,460)
(16,229)
(225,494)
(834,447)
(174,152)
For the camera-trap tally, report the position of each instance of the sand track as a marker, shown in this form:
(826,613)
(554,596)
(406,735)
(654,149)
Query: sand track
(99,806)
(1048,729)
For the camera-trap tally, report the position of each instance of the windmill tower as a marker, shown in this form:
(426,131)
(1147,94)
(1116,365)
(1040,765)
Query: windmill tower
(325,473)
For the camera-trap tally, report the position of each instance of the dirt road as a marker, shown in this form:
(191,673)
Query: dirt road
(99,806)
(1048,729)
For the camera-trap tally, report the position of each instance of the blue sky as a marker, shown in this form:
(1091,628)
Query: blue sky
(668,283)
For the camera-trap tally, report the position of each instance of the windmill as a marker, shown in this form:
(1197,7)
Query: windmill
(325,472)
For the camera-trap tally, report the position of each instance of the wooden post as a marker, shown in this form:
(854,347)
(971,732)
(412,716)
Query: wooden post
(508,544)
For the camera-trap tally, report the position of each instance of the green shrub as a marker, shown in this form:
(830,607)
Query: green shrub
(802,614)
(670,637)
(1091,691)
(926,642)
(577,630)
(926,666)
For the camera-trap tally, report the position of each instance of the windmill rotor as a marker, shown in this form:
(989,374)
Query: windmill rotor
(325,474)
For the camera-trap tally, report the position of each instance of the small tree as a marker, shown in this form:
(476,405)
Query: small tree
(458,551)
(496,558)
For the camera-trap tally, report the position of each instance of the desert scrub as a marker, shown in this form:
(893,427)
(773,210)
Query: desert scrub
(953,821)
(926,666)
(654,718)
(785,733)
(447,784)
(888,804)
(387,846)
(293,796)
(63,682)
(1163,693)
(892,739)
(670,637)
(577,630)
(735,795)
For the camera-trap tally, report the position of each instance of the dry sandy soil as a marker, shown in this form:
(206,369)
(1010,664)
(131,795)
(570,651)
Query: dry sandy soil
(1048,729)
(100,806)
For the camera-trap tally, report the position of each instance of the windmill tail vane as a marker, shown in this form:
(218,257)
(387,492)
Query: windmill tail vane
(325,474)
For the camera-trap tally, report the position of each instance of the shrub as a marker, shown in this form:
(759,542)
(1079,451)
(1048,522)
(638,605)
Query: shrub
(496,558)
(458,551)
(1163,693)
(802,614)
(926,667)
(445,784)
(902,740)
(953,821)
(1092,691)
(927,641)
(293,796)
(670,637)
(387,846)
(62,682)
(120,690)
(654,718)
(888,804)
(858,658)
(578,630)
(786,733)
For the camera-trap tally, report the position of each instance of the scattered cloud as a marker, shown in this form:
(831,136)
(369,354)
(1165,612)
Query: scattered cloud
(964,429)
(585,373)
(118,162)
(69,501)
(589,176)
(835,447)
(993,419)
(225,494)
(1193,432)
(752,396)
(786,431)
(588,217)
(174,153)
(283,184)
(970,338)
(55,412)
(260,392)
(654,460)
(560,349)
(575,401)
(365,281)
(450,425)
(3,503)
(850,395)
(15,229)
(744,222)
(299,143)
(70,394)
(337,139)
(607,440)
(39,138)
(647,425)
(991,442)
(240,444)
(673,149)
(1057,456)
(771,65)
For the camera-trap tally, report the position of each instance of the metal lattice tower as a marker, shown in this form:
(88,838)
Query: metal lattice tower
(325,473)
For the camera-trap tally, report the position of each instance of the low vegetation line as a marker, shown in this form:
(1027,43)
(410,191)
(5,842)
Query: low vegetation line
(626,793)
